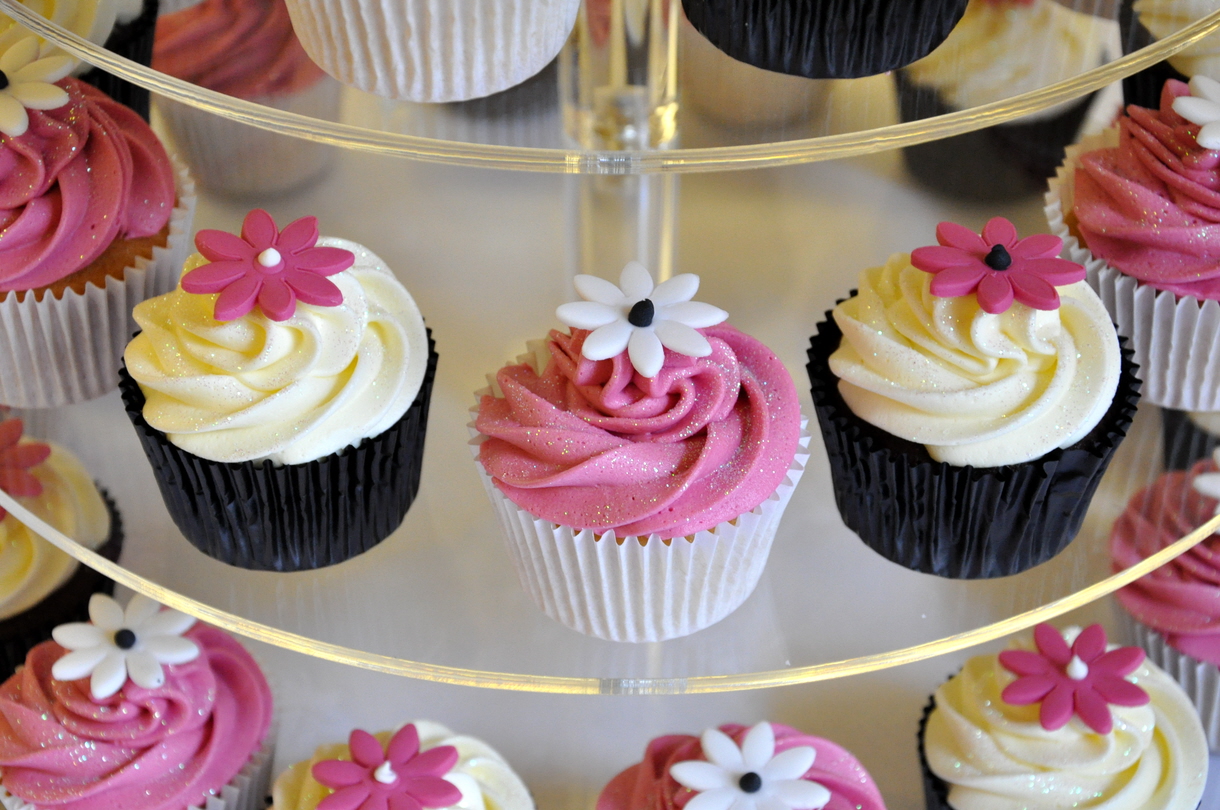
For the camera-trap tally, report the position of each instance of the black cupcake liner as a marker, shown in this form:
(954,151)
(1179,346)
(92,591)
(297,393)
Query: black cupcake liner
(825,39)
(959,522)
(133,40)
(1143,88)
(67,603)
(1183,442)
(292,517)
(990,164)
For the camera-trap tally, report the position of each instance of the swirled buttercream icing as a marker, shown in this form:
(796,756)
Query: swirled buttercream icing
(80,177)
(998,756)
(1151,206)
(594,444)
(1164,18)
(162,748)
(244,48)
(650,784)
(485,780)
(287,391)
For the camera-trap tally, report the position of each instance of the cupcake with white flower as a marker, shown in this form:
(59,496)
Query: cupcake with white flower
(652,448)
(765,767)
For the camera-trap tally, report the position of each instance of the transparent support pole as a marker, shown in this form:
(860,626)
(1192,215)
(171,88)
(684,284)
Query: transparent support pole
(618,84)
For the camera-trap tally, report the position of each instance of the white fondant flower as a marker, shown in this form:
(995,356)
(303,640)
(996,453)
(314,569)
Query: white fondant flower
(1202,107)
(752,777)
(1209,484)
(26,82)
(640,318)
(118,644)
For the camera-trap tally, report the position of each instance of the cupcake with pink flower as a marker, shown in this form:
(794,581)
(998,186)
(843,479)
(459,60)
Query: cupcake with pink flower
(281,394)
(976,377)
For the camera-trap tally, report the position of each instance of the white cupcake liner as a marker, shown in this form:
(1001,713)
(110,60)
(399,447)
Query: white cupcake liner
(229,157)
(1200,680)
(63,350)
(633,591)
(1173,337)
(433,50)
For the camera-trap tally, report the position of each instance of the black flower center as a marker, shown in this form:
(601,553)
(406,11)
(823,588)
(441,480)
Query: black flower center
(124,639)
(3,80)
(641,313)
(750,782)
(998,258)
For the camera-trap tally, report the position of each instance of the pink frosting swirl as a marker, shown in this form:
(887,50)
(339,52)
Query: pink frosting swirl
(1151,206)
(592,444)
(243,48)
(141,749)
(647,785)
(82,176)
(1180,600)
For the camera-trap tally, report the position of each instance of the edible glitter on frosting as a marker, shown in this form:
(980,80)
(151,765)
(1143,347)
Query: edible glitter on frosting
(400,776)
(1202,107)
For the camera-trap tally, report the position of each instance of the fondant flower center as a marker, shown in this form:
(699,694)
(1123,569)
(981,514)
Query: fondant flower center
(124,639)
(641,313)
(750,782)
(270,259)
(998,258)
(1077,670)
(385,774)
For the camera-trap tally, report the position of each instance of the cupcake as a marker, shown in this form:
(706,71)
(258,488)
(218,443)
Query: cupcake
(139,709)
(1053,726)
(970,397)
(640,463)
(281,394)
(1136,206)
(831,39)
(1188,436)
(433,50)
(1174,612)
(90,226)
(769,766)
(422,764)
(1143,22)
(1000,49)
(245,49)
(41,586)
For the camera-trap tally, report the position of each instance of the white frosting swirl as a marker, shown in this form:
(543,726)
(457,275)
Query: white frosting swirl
(1000,50)
(30,567)
(1165,17)
(974,388)
(254,389)
(485,779)
(996,756)
(92,19)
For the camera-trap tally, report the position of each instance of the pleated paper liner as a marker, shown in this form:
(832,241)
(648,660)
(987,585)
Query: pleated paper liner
(62,350)
(1183,441)
(991,164)
(1143,88)
(134,41)
(67,603)
(959,522)
(1174,337)
(828,39)
(292,517)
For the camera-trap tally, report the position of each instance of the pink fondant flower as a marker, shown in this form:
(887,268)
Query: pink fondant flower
(268,267)
(400,778)
(16,459)
(1081,679)
(998,266)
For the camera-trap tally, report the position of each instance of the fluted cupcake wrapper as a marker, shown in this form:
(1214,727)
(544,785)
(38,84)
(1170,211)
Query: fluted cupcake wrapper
(63,350)
(1183,442)
(291,517)
(67,603)
(237,159)
(1174,337)
(958,522)
(641,589)
(433,50)
(134,41)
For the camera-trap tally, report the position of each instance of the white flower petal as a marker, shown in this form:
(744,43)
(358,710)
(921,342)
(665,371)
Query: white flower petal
(78,664)
(48,69)
(592,288)
(758,747)
(771,802)
(609,341)
(171,649)
(1208,484)
(680,288)
(743,801)
(14,120)
(635,282)
(714,799)
(164,623)
(720,749)
(109,675)
(145,670)
(105,612)
(1209,136)
(680,338)
(1205,87)
(694,314)
(78,636)
(22,52)
(587,314)
(139,610)
(646,353)
(39,95)
(790,764)
(801,794)
(1196,110)
(698,775)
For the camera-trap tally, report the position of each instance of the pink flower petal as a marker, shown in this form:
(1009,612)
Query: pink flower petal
(10,432)
(957,281)
(1024,662)
(404,801)
(1038,246)
(25,455)
(432,791)
(995,293)
(1051,644)
(348,798)
(214,277)
(19,484)
(313,289)
(1120,662)
(337,773)
(325,261)
(1056,708)
(999,231)
(298,235)
(376,801)
(433,762)
(365,749)
(277,300)
(258,230)
(403,745)
(1093,710)
(1032,291)
(219,246)
(1090,644)
(950,234)
(238,298)
(1027,690)
(935,258)
(1054,271)
(1119,691)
